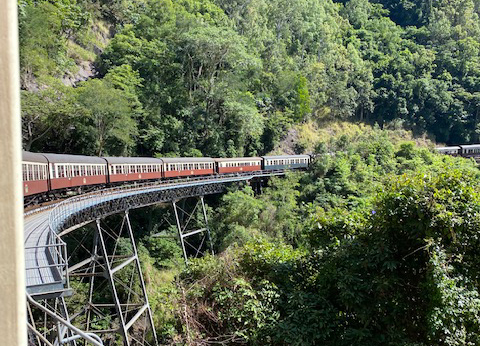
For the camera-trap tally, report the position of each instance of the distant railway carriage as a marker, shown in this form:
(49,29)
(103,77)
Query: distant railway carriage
(454,150)
(472,150)
(285,161)
(187,166)
(69,171)
(35,173)
(122,169)
(238,164)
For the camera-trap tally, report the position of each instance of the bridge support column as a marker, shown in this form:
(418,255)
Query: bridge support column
(117,297)
(190,224)
(44,330)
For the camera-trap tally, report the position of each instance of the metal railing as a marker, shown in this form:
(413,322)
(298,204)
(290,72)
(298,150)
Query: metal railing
(76,332)
(56,251)
(66,208)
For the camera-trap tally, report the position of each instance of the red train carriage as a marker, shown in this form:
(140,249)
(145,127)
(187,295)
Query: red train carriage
(68,171)
(133,168)
(35,173)
(238,164)
(187,166)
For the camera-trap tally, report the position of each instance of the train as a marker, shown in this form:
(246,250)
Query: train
(47,175)
(469,150)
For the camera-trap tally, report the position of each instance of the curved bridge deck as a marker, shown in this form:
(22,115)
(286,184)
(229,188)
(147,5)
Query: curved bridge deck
(45,252)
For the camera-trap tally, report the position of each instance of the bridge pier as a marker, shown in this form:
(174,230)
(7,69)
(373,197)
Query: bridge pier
(114,272)
(184,227)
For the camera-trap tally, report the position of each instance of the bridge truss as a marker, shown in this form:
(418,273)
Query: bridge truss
(105,256)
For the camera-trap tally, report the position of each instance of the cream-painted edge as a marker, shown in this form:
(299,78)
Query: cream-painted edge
(13,326)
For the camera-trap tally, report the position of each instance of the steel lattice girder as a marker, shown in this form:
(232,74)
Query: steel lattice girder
(142,199)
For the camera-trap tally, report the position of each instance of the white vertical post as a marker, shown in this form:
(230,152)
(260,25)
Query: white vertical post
(13,319)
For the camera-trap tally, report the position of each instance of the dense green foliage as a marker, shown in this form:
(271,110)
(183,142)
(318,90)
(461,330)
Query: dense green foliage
(383,253)
(230,77)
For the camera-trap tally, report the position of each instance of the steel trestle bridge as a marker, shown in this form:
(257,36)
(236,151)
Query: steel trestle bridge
(110,265)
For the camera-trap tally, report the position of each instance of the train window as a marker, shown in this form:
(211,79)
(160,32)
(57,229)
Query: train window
(24,172)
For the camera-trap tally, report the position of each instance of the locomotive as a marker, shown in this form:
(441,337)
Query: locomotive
(46,175)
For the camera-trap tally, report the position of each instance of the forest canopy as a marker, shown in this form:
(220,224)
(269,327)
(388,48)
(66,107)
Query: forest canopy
(231,77)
